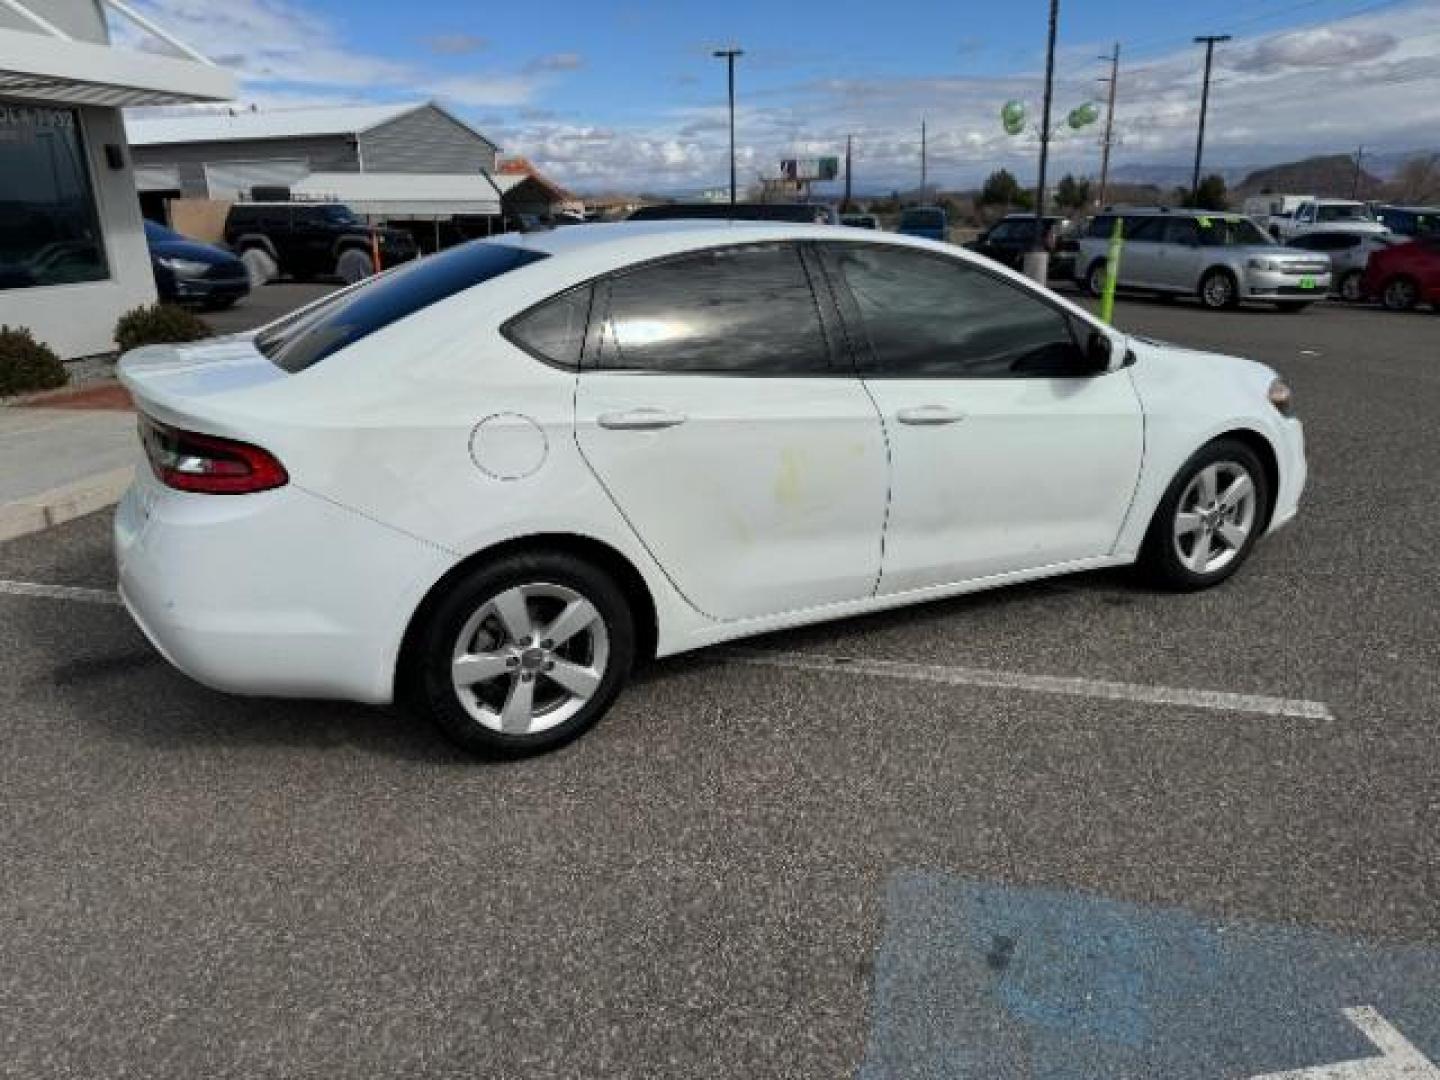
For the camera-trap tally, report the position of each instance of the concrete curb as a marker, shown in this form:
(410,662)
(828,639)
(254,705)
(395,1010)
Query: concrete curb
(59,505)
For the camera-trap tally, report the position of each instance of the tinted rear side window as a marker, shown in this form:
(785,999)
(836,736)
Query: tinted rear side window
(741,310)
(555,330)
(309,337)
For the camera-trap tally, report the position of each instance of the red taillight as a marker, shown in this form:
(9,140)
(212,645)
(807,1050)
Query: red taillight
(189,461)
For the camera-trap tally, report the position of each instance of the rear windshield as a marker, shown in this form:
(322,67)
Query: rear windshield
(1343,212)
(308,337)
(1232,232)
(922,219)
(799,213)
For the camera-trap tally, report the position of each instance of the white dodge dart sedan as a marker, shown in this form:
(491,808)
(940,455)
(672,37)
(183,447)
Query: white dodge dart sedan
(490,482)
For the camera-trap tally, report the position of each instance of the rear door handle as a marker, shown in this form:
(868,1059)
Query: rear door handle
(930,415)
(641,420)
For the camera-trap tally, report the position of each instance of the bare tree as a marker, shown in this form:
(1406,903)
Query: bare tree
(1418,181)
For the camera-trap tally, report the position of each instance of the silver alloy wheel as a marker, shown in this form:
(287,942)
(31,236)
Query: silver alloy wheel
(1218,290)
(1350,287)
(1401,295)
(1097,279)
(530,658)
(1215,516)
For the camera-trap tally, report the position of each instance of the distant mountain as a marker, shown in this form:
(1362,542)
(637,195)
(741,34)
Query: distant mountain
(1332,174)
(1173,176)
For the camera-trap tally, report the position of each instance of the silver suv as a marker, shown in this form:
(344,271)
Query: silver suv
(1221,258)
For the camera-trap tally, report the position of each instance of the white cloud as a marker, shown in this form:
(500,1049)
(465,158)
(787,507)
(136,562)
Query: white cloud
(1321,47)
(457,44)
(563,61)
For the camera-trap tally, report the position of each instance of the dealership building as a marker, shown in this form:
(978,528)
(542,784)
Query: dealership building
(72,245)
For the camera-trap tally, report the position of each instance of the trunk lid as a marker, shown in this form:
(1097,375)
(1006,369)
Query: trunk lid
(199,383)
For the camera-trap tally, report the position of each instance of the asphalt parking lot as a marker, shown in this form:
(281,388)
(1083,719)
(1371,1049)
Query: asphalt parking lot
(938,866)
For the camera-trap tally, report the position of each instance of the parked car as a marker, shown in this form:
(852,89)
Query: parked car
(1328,215)
(1269,211)
(799,213)
(514,469)
(1405,275)
(926,222)
(1410,220)
(1349,252)
(306,240)
(1012,236)
(860,221)
(189,272)
(1223,259)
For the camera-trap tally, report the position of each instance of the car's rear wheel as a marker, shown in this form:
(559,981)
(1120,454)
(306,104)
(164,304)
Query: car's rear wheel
(1400,294)
(260,266)
(1095,279)
(1209,519)
(1350,287)
(1218,290)
(523,655)
(354,265)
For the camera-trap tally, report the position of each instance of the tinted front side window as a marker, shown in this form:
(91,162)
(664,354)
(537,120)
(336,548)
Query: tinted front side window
(310,336)
(929,317)
(1146,229)
(733,310)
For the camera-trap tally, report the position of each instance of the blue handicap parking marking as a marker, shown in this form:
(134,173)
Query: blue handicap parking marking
(983,981)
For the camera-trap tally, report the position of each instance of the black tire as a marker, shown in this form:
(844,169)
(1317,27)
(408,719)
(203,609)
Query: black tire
(1400,294)
(353,265)
(427,684)
(1290,307)
(1219,291)
(1161,559)
(1349,288)
(1095,278)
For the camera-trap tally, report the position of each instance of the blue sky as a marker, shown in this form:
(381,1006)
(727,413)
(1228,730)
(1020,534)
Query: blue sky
(626,95)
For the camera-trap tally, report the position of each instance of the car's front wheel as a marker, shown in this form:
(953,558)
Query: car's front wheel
(523,655)
(1400,294)
(1209,519)
(1218,290)
(1351,290)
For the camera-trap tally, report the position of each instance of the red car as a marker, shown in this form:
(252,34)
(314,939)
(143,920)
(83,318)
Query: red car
(1405,275)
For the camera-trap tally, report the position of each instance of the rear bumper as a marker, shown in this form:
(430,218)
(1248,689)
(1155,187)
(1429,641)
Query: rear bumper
(279,593)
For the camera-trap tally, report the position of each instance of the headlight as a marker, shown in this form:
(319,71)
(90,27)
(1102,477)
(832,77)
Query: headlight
(1282,397)
(186,268)
(1263,264)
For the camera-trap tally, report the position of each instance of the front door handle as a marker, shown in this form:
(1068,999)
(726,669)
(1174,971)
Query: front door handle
(930,415)
(641,420)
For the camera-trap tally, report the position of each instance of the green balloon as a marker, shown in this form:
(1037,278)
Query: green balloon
(1012,115)
(1084,115)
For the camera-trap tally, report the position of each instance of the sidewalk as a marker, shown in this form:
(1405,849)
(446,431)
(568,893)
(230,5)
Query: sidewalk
(63,457)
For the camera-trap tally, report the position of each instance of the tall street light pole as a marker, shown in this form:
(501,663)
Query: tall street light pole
(1037,262)
(729,56)
(1114,81)
(1209,41)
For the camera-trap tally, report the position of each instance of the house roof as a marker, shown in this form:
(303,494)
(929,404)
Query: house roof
(229,125)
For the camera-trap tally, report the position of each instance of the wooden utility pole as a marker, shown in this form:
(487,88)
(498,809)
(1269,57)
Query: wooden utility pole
(845,202)
(1114,81)
(1355,186)
(923,177)
(1209,41)
(1039,243)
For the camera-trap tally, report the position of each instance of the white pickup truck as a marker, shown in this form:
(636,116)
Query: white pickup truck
(1328,215)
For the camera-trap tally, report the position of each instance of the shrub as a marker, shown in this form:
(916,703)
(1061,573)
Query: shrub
(159,324)
(27,364)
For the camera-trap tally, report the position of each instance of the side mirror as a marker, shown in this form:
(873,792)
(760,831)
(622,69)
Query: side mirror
(1098,351)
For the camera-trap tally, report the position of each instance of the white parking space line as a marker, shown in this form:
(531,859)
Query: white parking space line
(1218,700)
(59,592)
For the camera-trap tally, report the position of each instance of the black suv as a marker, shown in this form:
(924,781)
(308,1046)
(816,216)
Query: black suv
(1013,235)
(308,240)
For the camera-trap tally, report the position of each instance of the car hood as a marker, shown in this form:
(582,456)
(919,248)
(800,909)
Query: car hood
(192,250)
(1183,362)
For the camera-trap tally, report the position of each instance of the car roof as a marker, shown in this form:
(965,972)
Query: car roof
(683,234)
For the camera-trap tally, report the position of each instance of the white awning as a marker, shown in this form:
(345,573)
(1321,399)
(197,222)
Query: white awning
(37,67)
(157,178)
(396,195)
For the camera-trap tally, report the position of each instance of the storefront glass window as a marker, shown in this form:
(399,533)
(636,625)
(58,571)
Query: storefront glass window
(49,231)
